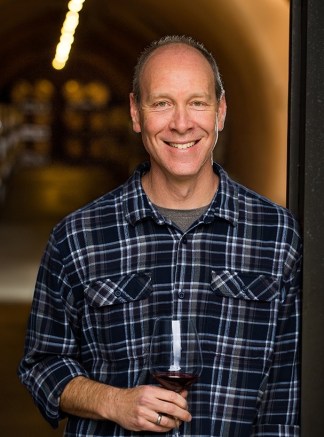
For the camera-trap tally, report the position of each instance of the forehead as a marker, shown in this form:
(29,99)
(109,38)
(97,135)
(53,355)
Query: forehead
(174,58)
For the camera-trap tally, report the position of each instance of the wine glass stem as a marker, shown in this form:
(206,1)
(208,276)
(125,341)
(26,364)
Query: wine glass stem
(176,431)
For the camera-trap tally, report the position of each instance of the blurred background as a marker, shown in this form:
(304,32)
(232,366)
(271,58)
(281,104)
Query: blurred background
(66,137)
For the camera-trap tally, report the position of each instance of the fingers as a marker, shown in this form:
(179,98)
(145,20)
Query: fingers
(172,406)
(150,408)
(149,420)
(166,402)
(165,423)
(173,397)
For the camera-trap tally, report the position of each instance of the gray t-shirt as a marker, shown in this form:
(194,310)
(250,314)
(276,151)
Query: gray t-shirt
(183,218)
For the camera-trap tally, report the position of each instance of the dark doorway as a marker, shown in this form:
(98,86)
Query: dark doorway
(306,194)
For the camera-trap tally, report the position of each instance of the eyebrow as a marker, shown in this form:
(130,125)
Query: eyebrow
(164,95)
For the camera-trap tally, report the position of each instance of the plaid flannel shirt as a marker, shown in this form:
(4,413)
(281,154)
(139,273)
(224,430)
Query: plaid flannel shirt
(111,268)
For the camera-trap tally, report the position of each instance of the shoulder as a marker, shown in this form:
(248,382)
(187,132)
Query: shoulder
(270,222)
(256,204)
(253,209)
(90,217)
(106,213)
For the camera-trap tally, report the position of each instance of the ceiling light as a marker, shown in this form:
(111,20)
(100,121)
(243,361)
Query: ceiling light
(69,26)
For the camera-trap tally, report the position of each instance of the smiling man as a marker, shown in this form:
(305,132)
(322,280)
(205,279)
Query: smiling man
(179,117)
(178,238)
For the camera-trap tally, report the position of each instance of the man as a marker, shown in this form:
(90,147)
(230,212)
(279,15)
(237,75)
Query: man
(178,238)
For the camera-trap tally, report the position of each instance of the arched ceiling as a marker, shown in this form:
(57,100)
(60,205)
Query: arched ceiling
(249,39)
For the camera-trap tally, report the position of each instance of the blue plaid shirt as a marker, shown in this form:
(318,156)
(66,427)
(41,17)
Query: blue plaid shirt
(111,268)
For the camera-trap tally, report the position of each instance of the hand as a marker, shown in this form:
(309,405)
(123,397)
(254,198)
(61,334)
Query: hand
(138,408)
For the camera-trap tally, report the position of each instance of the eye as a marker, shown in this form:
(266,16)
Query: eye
(161,104)
(199,104)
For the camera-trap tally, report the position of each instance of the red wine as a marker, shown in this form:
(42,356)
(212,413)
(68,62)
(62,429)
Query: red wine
(175,381)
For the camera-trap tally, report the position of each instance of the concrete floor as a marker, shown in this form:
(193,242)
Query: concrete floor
(37,198)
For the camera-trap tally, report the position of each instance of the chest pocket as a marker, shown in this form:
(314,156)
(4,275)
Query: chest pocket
(249,287)
(116,316)
(129,288)
(241,326)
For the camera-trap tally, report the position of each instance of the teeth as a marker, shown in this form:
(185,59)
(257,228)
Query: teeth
(182,146)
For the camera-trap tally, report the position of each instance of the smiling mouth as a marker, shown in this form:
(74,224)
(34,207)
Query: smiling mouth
(182,146)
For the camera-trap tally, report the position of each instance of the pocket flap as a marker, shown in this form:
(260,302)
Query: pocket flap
(246,286)
(129,288)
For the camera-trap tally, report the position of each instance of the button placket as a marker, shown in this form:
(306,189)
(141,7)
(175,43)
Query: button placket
(181,267)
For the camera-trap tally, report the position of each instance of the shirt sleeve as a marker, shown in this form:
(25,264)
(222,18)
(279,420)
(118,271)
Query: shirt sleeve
(279,408)
(51,348)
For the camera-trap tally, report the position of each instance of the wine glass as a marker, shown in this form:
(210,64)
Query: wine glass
(175,355)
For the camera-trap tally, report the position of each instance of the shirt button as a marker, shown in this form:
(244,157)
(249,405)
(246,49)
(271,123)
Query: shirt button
(184,240)
(117,293)
(181,294)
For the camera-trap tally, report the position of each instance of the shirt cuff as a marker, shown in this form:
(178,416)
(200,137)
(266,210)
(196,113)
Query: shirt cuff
(47,382)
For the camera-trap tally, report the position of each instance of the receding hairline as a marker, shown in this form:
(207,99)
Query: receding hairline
(171,46)
(167,43)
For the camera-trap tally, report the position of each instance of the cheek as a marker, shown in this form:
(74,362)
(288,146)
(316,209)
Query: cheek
(154,124)
(210,126)
(207,121)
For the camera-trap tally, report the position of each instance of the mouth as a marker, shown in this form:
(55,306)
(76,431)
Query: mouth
(182,146)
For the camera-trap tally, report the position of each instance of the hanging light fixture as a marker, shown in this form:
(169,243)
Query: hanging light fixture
(70,24)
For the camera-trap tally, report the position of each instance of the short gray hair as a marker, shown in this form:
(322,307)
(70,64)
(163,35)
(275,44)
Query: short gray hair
(175,39)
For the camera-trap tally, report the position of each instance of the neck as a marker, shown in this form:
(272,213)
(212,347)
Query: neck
(180,194)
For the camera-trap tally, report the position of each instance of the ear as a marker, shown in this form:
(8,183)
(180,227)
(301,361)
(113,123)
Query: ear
(134,111)
(221,113)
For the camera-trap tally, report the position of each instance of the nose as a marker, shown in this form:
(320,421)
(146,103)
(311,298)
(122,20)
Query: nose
(181,120)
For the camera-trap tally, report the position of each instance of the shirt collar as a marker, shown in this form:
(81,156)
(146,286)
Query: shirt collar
(138,207)
(225,203)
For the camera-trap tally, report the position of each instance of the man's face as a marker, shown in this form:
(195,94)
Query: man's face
(178,115)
